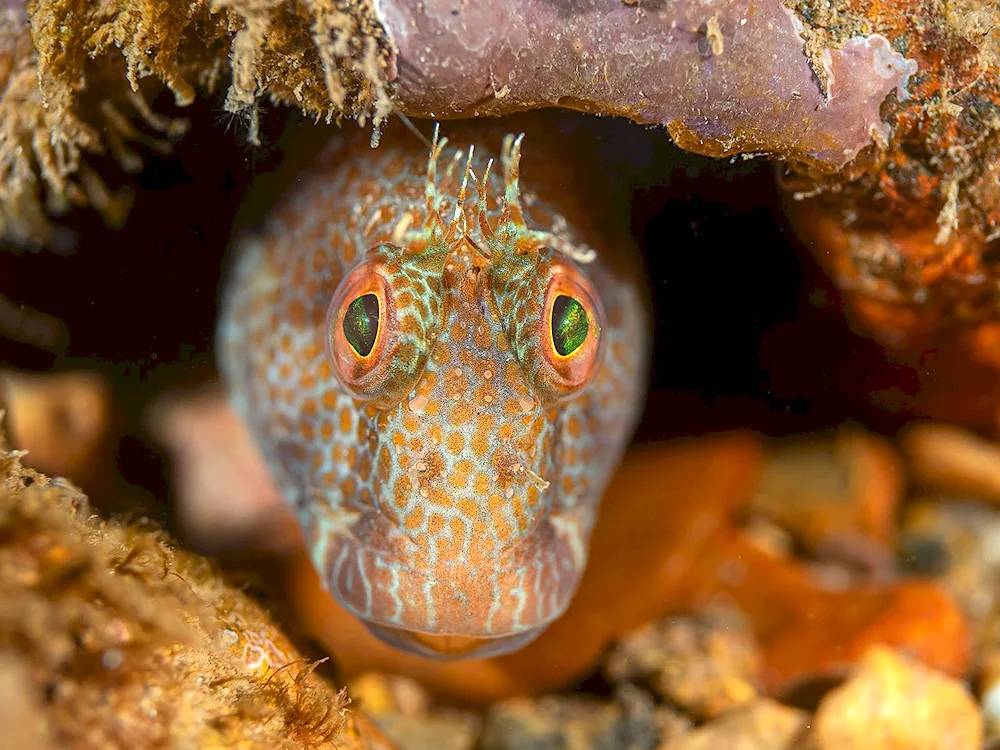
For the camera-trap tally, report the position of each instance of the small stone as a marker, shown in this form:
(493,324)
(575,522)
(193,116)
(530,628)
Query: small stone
(836,496)
(645,718)
(706,664)
(954,460)
(762,725)
(990,700)
(382,694)
(988,648)
(959,543)
(769,537)
(892,703)
(441,730)
(403,710)
(631,722)
(923,555)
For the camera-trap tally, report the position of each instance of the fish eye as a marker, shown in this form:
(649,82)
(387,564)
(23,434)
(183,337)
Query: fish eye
(359,326)
(377,337)
(570,333)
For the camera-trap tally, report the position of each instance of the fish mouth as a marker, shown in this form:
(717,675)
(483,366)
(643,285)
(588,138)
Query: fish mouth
(452,647)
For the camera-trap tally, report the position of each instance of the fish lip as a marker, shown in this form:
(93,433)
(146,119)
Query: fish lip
(446,647)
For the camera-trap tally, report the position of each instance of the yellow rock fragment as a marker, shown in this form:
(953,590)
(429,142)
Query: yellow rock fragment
(892,703)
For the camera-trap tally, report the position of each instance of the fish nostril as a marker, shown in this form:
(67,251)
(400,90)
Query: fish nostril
(425,469)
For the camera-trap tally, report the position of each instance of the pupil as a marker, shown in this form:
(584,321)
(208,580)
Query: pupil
(569,325)
(361,324)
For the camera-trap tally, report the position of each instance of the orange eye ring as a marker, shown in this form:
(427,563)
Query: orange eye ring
(361,293)
(570,330)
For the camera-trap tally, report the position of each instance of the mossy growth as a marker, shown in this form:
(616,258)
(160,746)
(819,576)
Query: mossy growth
(111,637)
(76,79)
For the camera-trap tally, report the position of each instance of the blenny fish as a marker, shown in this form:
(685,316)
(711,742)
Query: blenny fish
(442,367)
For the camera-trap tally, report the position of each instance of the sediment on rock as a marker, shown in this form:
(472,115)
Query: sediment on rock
(111,637)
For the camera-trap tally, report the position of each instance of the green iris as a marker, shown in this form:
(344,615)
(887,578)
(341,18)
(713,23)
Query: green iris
(569,325)
(361,324)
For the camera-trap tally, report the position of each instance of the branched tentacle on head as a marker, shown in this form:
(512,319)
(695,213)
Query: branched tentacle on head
(512,234)
(434,239)
(397,293)
(534,277)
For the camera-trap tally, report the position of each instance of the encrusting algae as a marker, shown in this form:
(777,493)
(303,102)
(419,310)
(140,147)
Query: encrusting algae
(110,637)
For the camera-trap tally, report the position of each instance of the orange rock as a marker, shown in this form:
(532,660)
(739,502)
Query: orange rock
(894,704)
(929,303)
(806,630)
(666,541)
(214,460)
(880,268)
(953,459)
(64,421)
(835,495)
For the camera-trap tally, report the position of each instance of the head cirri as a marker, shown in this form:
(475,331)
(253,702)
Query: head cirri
(431,387)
